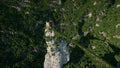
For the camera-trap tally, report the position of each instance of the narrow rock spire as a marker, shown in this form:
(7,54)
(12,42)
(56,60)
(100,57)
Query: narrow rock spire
(57,52)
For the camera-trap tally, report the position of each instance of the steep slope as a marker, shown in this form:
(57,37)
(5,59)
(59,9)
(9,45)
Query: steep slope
(57,52)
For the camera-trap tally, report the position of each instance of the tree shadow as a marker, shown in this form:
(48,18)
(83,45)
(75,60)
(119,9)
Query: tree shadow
(110,57)
(76,55)
(84,40)
(110,3)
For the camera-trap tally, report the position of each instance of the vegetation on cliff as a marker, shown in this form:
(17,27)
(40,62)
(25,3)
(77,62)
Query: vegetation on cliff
(91,26)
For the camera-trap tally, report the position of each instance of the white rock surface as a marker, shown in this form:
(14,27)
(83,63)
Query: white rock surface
(57,52)
(93,47)
(97,25)
(118,25)
(117,6)
(97,19)
(85,33)
(103,33)
(90,15)
(71,45)
(94,3)
(116,36)
(75,37)
(59,2)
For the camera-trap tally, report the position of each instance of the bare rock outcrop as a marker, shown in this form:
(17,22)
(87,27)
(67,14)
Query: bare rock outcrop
(57,52)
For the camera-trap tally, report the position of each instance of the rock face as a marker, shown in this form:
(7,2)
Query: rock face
(57,52)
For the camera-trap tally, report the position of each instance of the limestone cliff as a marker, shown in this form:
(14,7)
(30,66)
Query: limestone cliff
(57,52)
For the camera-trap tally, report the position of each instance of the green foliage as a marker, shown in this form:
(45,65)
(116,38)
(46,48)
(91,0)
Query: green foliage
(21,36)
(117,57)
(22,42)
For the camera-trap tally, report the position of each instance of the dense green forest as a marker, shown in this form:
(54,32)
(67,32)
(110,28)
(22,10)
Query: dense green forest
(91,27)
